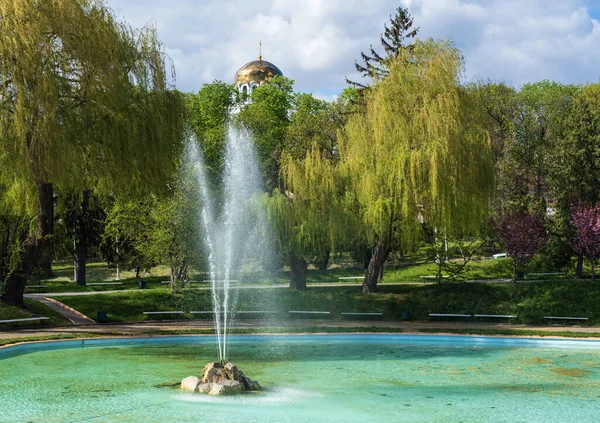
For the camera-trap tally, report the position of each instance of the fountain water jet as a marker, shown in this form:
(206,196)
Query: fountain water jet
(233,233)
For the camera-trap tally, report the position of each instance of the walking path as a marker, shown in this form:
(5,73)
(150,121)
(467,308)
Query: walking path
(279,285)
(73,315)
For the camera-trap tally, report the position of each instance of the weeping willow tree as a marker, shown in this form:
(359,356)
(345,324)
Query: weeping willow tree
(306,214)
(418,155)
(85,101)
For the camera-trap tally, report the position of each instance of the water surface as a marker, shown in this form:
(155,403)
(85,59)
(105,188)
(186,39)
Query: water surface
(330,378)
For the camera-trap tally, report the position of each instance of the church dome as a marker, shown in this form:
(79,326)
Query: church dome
(255,73)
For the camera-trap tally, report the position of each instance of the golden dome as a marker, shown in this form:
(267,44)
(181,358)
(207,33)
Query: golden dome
(256,71)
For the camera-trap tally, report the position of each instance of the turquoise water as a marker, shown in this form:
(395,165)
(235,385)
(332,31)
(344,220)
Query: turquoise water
(329,378)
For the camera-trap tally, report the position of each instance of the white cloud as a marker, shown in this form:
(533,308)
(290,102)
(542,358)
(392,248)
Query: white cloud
(315,42)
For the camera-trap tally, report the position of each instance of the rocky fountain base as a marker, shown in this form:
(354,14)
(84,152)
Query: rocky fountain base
(220,379)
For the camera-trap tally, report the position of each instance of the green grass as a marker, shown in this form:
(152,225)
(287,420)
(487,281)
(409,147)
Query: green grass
(529,301)
(32,309)
(407,273)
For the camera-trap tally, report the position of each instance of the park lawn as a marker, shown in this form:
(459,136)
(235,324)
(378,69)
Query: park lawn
(99,272)
(32,309)
(529,301)
(412,273)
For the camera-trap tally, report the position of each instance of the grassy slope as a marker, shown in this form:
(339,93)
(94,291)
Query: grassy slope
(529,301)
(32,309)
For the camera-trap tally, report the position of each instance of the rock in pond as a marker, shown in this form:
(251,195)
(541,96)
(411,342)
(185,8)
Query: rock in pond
(220,379)
(190,383)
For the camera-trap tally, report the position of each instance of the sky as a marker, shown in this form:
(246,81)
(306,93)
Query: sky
(316,42)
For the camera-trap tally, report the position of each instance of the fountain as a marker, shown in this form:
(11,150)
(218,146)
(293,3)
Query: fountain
(233,233)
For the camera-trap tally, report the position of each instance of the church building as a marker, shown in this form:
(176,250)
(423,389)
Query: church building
(254,73)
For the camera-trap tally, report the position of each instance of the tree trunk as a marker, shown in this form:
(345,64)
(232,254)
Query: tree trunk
(298,272)
(375,269)
(593,270)
(579,268)
(324,261)
(368,255)
(514,270)
(81,236)
(45,265)
(32,250)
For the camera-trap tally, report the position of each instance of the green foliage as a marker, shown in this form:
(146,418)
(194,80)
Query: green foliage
(13,231)
(539,124)
(127,233)
(393,41)
(83,97)
(157,231)
(418,150)
(208,112)
(312,123)
(575,171)
(267,117)
(84,101)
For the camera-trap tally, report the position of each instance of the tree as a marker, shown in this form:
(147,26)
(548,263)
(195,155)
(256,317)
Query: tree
(522,234)
(208,112)
(84,100)
(453,260)
(157,231)
(393,40)
(312,122)
(586,221)
(80,218)
(127,233)
(419,153)
(575,159)
(266,117)
(14,227)
(305,215)
(543,108)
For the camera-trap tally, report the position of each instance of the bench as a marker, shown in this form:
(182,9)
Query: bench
(216,280)
(495,316)
(367,316)
(547,274)
(168,313)
(15,322)
(433,277)
(252,314)
(448,315)
(350,278)
(205,314)
(104,284)
(566,319)
(40,288)
(309,314)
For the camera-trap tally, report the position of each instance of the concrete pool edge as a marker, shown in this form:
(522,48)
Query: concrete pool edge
(27,347)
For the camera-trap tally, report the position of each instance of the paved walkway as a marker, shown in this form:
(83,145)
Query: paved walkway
(71,314)
(279,285)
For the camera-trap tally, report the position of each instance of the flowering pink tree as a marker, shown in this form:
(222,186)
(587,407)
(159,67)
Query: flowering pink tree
(522,235)
(586,221)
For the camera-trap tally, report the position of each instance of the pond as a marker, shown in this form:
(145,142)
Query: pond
(308,378)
